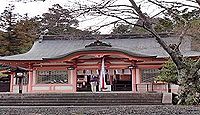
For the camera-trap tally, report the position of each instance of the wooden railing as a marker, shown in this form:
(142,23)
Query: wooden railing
(153,87)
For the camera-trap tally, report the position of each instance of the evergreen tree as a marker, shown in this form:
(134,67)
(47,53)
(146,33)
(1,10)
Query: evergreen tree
(18,33)
(7,22)
(58,21)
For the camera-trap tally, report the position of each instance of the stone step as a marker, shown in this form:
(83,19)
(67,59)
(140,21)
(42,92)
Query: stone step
(80,95)
(83,98)
(78,99)
(76,104)
(83,94)
(86,98)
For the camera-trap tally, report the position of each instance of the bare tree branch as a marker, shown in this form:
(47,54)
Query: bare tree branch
(178,4)
(194,1)
(114,22)
(157,14)
(197,65)
(120,18)
(161,6)
(107,9)
(198,1)
(183,32)
(148,26)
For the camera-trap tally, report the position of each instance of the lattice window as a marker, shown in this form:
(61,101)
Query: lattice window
(148,75)
(52,77)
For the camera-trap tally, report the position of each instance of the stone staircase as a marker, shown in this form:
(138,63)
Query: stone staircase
(81,99)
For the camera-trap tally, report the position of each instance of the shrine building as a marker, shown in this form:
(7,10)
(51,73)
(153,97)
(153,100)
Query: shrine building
(67,63)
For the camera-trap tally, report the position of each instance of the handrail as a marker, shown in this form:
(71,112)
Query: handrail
(146,87)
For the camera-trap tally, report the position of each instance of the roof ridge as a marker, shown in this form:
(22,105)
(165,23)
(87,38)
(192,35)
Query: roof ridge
(102,36)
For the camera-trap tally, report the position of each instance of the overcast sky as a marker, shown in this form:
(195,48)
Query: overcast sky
(32,8)
(37,8)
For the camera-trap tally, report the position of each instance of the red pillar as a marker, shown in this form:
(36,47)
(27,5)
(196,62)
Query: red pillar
(134,87)
(30,81)
(11,82)
(74,77)
(30,78)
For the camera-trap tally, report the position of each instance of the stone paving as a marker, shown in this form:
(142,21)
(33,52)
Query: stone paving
(112,110)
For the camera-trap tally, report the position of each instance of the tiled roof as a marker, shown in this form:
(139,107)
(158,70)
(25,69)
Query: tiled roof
(57,46)
(100,49)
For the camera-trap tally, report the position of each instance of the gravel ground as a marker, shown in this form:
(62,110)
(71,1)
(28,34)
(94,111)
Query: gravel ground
(112,110)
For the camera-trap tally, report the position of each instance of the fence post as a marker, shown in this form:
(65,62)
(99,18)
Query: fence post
(169,88)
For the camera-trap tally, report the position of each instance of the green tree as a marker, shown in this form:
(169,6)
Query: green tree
(188,75)
(58,21)
(128,13)
(168,73)
(8,21)
(3,44)
(122,29)
(27,29)
(159,24)
(19,32)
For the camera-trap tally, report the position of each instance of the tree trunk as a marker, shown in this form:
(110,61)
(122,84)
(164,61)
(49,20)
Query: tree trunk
(198,1)
(188,87)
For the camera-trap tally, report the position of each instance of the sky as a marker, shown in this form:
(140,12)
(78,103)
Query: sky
(32,8)
(37,8)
